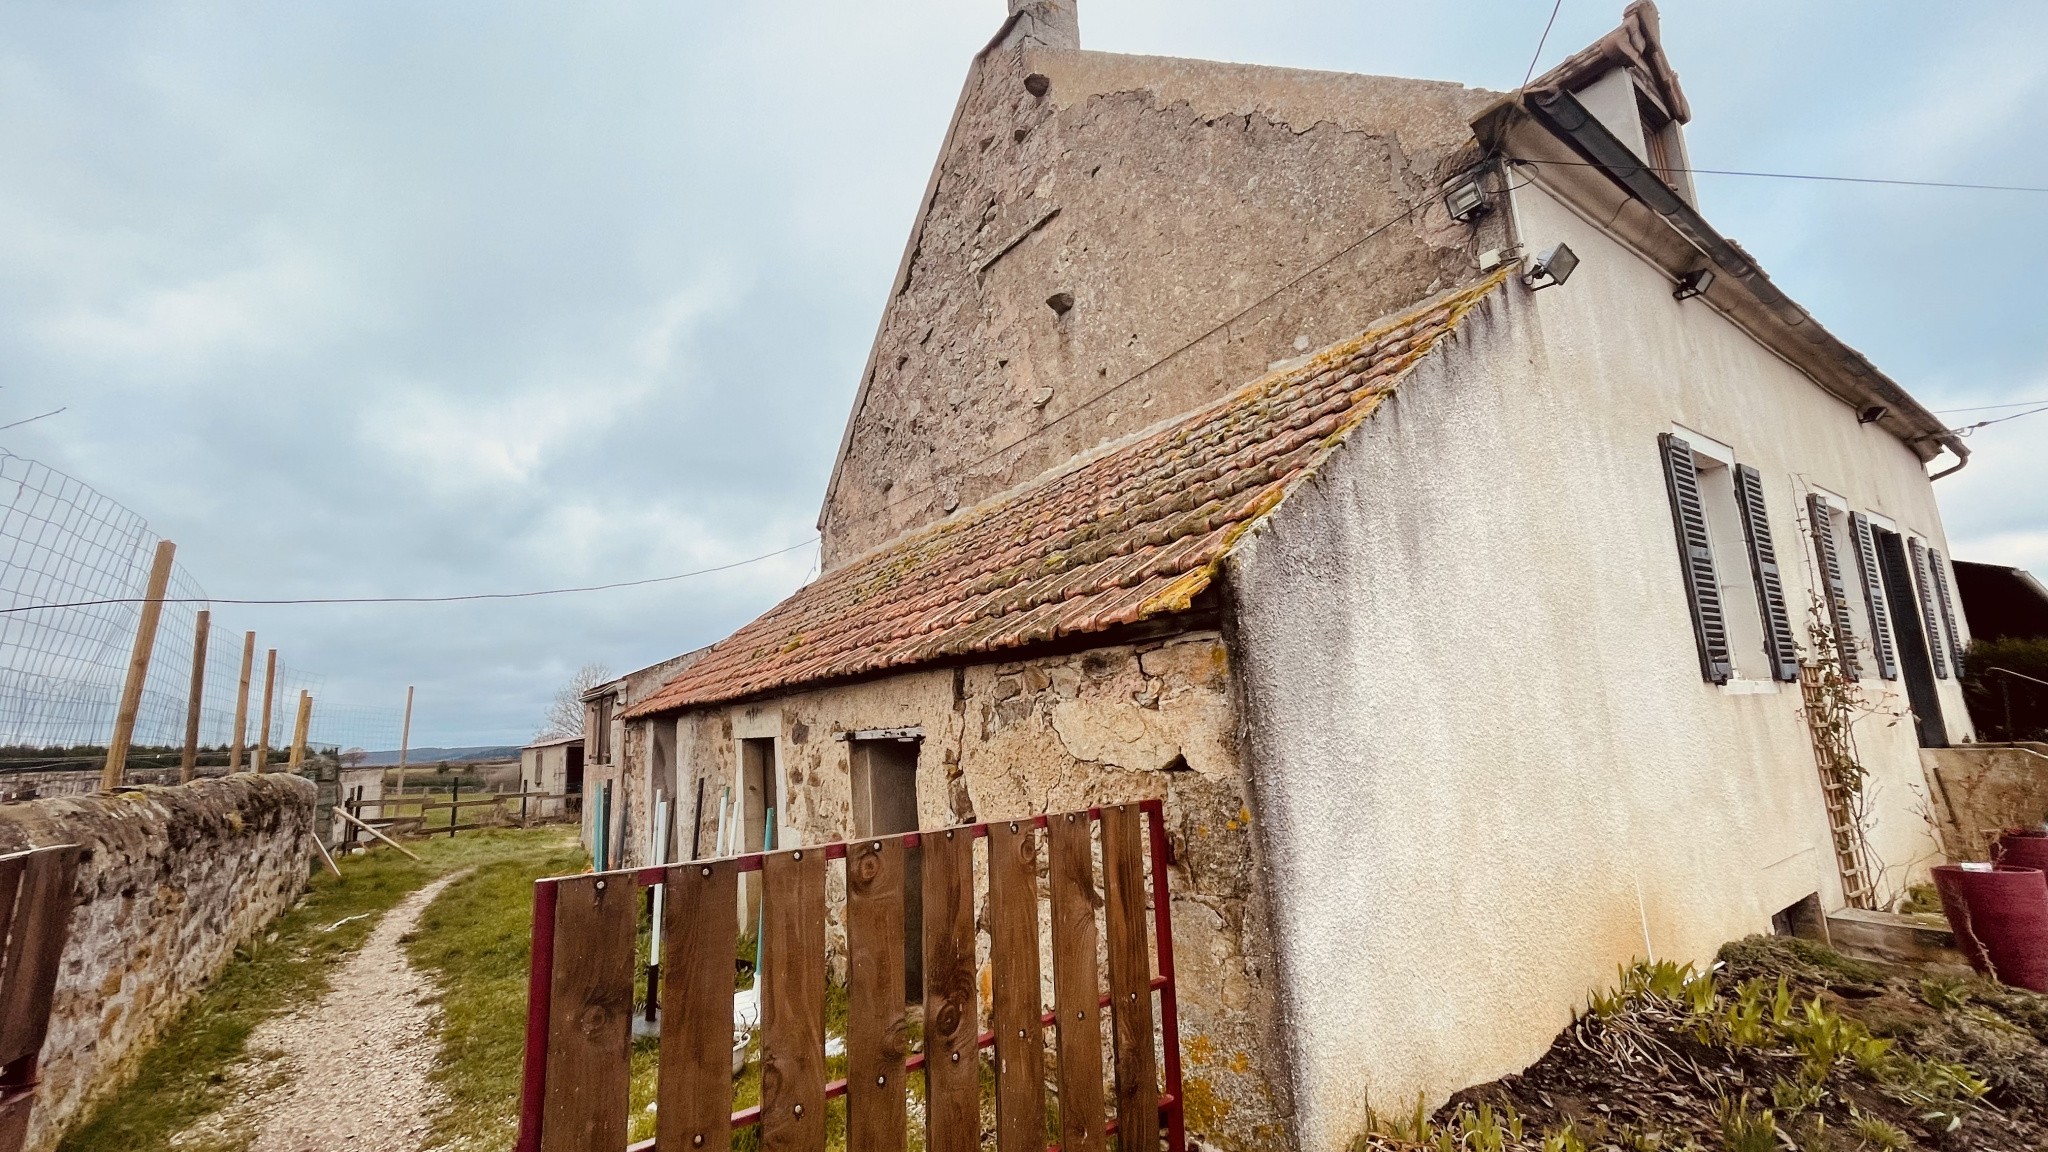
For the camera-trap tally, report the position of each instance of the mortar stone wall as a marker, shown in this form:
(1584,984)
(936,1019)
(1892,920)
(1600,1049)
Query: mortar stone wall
(1980,790)
(172,881)
(1050,734)
(1159,198)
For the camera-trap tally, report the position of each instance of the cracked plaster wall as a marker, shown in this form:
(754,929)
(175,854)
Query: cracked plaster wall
(1053,734)
(1163,197)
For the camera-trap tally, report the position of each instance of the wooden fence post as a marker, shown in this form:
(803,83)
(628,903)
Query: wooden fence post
(241,744)
(269,686)
(298,752)
(404,740)
(190,763)
(138,666)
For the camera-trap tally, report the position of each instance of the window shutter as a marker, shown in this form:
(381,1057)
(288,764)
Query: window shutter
(1696,558)
(1948,611)
(1925,586)
(1873,596)
(1779,642)
(1821,519)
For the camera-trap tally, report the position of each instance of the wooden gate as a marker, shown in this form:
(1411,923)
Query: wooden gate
(35,916)
(581,992)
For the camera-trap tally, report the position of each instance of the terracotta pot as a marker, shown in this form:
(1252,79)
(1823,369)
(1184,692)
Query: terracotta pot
(2022,848)
(2000,921)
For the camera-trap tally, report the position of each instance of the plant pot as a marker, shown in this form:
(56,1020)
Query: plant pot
(2022,848)
(2000,921)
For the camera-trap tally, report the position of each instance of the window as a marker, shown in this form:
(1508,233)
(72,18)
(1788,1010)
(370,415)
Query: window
(1827,525)
(1882,647)
(1729,562)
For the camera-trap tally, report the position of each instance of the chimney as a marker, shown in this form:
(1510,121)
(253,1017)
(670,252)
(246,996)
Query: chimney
(1047,23)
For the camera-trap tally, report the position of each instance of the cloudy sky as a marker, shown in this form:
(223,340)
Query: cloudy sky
(401,298)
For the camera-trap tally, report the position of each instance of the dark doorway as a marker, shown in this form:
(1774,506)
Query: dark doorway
(885,804)
(572,781)
(1911,634)
(760,812)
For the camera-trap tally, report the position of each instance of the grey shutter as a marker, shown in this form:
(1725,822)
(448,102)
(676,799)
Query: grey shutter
(1779,643)
(1925,586)
(1821,519)
(1873,596)
(1696,558)
(1948,611)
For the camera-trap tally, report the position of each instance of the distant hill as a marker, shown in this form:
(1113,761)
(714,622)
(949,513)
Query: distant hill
(444,755)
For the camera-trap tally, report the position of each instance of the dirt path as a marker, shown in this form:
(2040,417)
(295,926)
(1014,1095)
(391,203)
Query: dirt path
(350,1072)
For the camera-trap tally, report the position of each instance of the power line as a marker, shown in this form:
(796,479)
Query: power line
(32,419)
(427,599)
(1966,429)
(1797,176)
(1554,9)
(1990,407)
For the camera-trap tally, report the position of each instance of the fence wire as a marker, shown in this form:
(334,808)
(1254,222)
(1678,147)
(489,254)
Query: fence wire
(62,668)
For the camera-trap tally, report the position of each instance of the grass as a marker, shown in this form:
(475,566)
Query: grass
(187,1075)
(474,942)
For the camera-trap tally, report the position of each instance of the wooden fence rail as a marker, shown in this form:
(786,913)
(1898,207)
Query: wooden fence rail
(581,990)
(35,916)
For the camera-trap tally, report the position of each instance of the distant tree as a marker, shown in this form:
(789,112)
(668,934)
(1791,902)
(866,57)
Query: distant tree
(353,757)
(565,715)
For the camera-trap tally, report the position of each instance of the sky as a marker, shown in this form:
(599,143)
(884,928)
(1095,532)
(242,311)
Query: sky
(399,299)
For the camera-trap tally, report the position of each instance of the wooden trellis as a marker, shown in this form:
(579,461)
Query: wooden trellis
(579,1025)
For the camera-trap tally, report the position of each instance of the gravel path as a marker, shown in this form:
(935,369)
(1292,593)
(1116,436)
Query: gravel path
(353,1067)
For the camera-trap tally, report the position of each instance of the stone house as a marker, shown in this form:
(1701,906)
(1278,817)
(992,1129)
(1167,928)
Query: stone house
(1406,483)
(553,766)
(627,769)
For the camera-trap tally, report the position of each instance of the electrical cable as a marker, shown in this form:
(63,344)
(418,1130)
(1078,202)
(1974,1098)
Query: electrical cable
(1545,39)
(1966,429)
(423,599)
(1797,176)
(32,419)
(1989,407)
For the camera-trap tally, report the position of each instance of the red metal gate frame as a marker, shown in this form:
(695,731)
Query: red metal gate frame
(540,984)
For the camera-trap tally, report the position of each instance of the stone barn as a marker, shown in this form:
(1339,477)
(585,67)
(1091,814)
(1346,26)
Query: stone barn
(1408,484)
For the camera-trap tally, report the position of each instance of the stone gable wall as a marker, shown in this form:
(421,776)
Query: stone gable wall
(173,880)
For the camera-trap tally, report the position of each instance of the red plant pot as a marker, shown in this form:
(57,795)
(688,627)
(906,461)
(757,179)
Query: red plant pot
(2022,848)
(2000,921)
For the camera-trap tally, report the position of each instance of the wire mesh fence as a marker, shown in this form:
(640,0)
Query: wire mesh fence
(74,566)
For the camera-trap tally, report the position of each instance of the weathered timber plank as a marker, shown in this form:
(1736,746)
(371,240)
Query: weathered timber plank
(876,1042)
(590,1017)
(952,1079)
(793,1002)
(11,868)
(699,935)
(1075,984)
(1130,979)
(1014,975)
(42,920)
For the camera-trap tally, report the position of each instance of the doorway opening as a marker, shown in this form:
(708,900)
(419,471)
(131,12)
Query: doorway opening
(885,804)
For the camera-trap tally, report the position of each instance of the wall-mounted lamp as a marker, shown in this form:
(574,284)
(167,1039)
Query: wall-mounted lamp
(1693,283)
(1552,266)
(1872,414)
(1466,200)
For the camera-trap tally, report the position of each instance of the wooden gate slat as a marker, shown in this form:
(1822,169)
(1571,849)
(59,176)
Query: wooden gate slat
(42,919)
(793,1002)
(1014,976)
(876,1042)
(952,1059)
(590,1018)
(1075,995)
(700,934)
(11,868)
(1130,979)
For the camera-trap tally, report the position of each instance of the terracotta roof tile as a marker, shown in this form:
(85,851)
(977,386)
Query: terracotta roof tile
(1135,531)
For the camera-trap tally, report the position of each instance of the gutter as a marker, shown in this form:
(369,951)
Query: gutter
(1569,120)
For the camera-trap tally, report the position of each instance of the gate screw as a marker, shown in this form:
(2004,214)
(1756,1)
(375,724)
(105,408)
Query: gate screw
(798,1110)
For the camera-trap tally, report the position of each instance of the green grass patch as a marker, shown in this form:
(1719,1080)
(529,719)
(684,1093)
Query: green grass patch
(474,942)
(186,1076)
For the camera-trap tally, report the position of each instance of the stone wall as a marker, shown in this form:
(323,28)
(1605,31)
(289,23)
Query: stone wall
(1052,734)
(1096,218)
(172,881)
(1982,788)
